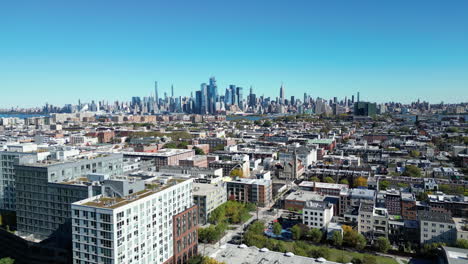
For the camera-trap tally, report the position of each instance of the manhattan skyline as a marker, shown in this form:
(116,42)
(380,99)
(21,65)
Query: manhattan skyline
(59,53)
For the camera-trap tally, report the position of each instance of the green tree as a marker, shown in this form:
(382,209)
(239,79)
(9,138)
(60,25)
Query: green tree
(198,151)
(315,235)
(218,215)
(256,228)
(218,147)
(415,153)
(382,244)
(277,228)
(462,243)
(353,239)
(328,180)
(296,232)
(422,196)
(344,181)
(7,261)
(431,249)
(412,171)
(314,179)
(383,185)
(267,123)
(336,239)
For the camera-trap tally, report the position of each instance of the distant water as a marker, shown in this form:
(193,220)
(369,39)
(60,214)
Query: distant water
(253,117)
(22,116)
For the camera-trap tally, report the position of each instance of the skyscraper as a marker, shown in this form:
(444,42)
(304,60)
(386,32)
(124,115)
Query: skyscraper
(239,96)
(156,96)
(233,94)
(228,97)
(204,99)
(212,95)
(172,91)
(282,94)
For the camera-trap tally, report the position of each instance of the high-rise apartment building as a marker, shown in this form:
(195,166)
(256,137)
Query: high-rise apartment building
(154,225)
(8,160)
(43,201)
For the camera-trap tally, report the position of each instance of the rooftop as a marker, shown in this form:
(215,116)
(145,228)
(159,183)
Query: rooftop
(160,153)
(232,254)
(435,217)
(455,255)
(317,205)
(116,202)
(304,196)
(204,188)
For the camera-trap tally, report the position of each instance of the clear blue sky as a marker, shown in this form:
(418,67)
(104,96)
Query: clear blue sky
(59,51)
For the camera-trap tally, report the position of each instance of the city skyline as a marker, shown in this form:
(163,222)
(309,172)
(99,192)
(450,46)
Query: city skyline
(59,53)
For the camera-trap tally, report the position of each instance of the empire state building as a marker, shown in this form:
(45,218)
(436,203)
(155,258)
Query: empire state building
(282,94)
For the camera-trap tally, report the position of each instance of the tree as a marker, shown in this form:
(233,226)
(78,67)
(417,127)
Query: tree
(344,181)
(267,123)
(208,260)
(462,243)
(277,228)
(218,215)
(431,249)
(383,185)
(360,182)
(382,244)
(412,171)
(314,179)
(422,196)
(415,153)
(361,242)
(296,232)
(354,239)
(198,151)
(328,180)
(336,239)
(7,261)
(237,172)
(315,235)
(218,147)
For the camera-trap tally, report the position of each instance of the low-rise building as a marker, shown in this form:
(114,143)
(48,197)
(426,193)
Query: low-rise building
(317,214)
(256,191)
(208,197)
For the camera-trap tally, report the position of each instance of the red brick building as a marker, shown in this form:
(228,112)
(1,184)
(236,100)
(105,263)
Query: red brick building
(185,235)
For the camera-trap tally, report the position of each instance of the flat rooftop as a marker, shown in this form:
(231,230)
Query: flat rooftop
(116,202)
(232,254)
(160,153)
(304,196)
(204,188)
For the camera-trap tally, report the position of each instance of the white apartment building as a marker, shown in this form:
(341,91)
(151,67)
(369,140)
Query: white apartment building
(372,221)
(138,228)
(436,227)
(317,214)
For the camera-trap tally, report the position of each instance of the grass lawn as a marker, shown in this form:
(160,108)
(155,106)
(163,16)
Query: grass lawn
(336,255)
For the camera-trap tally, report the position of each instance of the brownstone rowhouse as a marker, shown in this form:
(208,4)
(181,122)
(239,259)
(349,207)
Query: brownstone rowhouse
(185,235)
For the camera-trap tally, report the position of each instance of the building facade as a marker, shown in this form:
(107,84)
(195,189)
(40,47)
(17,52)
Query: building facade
(150,226)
